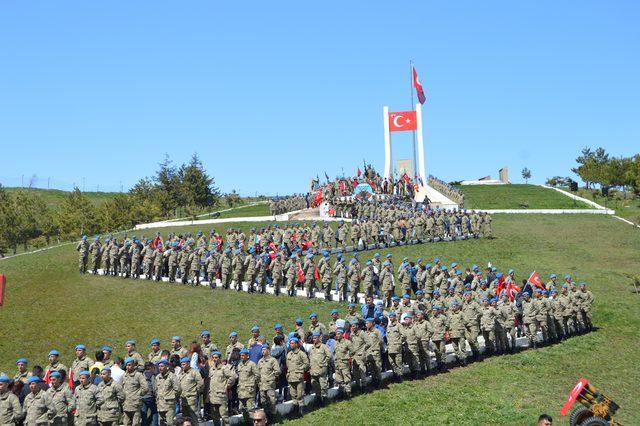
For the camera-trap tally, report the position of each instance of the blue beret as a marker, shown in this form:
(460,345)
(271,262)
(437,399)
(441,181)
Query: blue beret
(436,291)
(265,346)
(406,296)
(107,349)
(352,305)
(436,307)
(467,293)
(334,311)
(233,334)
(419,293)
(244,351)
(255,328)
(107,369)
(22,361)
(436,260)
(554,291)
(369,263)
(485,299)
(552,276)
(129,360)
(370,319)
(291,334)
(582,284)
(444,268)
(339,330)
(493,269)
(55,374)
(316,334)
(163,362)
(84,373)
(4,378)
(567,277)
(131,342)
(216,353)
(565,286)
(278,325)
(474,268)
(54,352)
(81,348)
(177,338)
(33,379)
(294,339)
(393,314)
(185,360)
(454,264)
(388,256)
(155,341)
(313,315)
(409,315)
(299,321)
(205,333)
(458,272)
(377,255)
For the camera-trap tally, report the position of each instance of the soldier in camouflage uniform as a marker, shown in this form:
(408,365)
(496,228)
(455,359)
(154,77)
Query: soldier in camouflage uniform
(83,252)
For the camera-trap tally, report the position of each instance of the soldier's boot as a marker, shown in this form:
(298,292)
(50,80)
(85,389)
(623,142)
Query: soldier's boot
(301,410)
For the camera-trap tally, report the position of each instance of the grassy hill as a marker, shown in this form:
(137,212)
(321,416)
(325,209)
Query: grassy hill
(516,196)
(49,305)
(54,197)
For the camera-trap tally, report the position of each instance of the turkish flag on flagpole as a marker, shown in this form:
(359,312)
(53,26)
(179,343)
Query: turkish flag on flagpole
(418,86)
(534,279)
(403,120)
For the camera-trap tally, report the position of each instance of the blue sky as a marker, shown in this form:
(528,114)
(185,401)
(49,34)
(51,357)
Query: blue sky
(272,93)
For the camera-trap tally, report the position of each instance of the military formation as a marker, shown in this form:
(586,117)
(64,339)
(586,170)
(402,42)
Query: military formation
(381,221)
(309,257)
(281,205)
(452,306)
(447,190)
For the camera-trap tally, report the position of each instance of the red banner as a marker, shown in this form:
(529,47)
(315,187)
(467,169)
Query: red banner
(401,121)
(535,280)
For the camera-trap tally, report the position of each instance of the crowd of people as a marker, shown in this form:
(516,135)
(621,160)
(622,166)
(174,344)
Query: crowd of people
(447,190)
(294,256)
(201,381)
(281,205)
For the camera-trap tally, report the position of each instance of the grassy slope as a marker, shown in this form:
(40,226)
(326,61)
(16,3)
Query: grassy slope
(514,195)
(255,210)
(627,208)
(54,197)
(49,305)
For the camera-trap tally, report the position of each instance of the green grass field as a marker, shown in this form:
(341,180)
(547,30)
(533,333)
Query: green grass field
(516,196)
(254,210)
(54,197)
(49,305)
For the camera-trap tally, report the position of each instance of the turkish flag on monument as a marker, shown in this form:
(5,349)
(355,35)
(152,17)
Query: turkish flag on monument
(403,120)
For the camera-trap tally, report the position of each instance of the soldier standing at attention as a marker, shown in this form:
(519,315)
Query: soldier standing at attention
(268,373)
(221,378)
(112,397)
(319,357)
(87,400)
(247,382)
(134,386)
(168,390)
(83,251)
(297,365)
(191,386)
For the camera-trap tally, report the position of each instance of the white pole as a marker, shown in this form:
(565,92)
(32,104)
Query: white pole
(387,142)
(421,172)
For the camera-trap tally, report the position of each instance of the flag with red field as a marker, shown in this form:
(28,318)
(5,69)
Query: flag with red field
(512,290)
(403,120)
(418,86)
(535,280)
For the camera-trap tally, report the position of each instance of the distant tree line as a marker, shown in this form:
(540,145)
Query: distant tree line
(598,168)
(26,219)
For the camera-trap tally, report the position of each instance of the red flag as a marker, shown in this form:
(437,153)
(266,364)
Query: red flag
(403,120)
(512,290)
(71,382)
(316,274)
(359,172)
(47,377)
(534,279)
(406,178)
(300,274)
(500,285)
(418,86)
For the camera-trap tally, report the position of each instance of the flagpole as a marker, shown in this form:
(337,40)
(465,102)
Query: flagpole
(413,132)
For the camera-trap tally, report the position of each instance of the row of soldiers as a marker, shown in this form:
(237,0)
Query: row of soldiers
(447,190)
(201,382)
(281,205)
